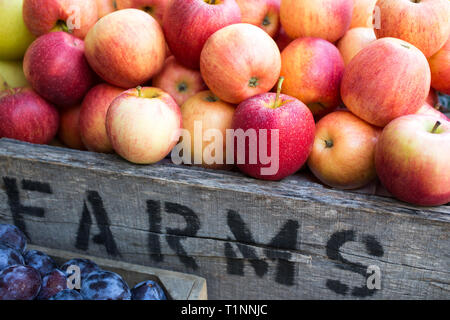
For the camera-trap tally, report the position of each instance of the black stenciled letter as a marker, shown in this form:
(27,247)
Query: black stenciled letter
(105,236)
(285,239)
(334,244)
(17,209)
(174,236)
(154,217)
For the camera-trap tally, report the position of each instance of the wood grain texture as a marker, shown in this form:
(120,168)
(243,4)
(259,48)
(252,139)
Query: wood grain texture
(250,239)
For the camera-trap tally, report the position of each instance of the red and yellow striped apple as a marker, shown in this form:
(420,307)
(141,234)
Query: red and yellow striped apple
(343,155)
(261,13)
(354,41)
(387,79)
(126,48)
(240,61)
(440,69)
(423,23)
(74,16)
(411,161)
(178,81)
(313,70)
(143,125)
(156,8)
(93,117)
(326,19)
(69,128)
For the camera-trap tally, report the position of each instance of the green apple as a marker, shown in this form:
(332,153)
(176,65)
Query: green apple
(2,84)
(14,35)
(12,73)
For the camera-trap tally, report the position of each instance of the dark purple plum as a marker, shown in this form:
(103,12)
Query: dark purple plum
(13,237)
(9,257)
(148,290)
(105,285)
(40,261)
(86,267)
(67,294)
(52,283)
(19,283)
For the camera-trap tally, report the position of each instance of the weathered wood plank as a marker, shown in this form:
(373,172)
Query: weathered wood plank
(250,239)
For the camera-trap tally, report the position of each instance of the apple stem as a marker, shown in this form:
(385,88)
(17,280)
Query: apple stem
(277,98)
(436,126)
(139,90)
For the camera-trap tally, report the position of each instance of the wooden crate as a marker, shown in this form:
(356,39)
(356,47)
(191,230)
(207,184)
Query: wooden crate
(176,285)
(250,239)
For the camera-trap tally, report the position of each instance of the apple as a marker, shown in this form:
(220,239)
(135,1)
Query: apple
(143,125)
(57,69)
(282,125)
(189,23)
(178,81)
(313,70)
(423,23)
(3,84)
(14,35)
(155,8)
(363,13)
(12,73)
(387,79)
(261,13)
(411,161)
(93,117)
(205,112)
(25,116)
(354,41)
(282,39)
(427,109)
(240,61)
(440,69)
(326,19)
(105,7)
(343,155)
(69,129)
(126,48)
(74,16)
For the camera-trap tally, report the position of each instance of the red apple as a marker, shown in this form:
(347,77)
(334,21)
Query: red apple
(105,7)
(93,117)
(423,23)
(74,16)
(387,79)
(440,69)
(155,8)
(178,81)
(354,41)
(280,124)
(261,13)
(25,116)
(69,128)
(313,69)
(343,155)
(427,109)
(143,125)
(363,13)
(240,61)
(412,161)
(189,23)
(57,69)
(326,19)
(126,48)
(282,39)
(204,112)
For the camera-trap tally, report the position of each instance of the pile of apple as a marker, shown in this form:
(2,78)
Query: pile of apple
(359,97)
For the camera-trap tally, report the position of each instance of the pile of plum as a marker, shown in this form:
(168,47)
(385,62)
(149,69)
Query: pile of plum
(29,275)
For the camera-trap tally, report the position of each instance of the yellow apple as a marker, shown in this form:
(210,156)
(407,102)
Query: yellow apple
(14,35)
